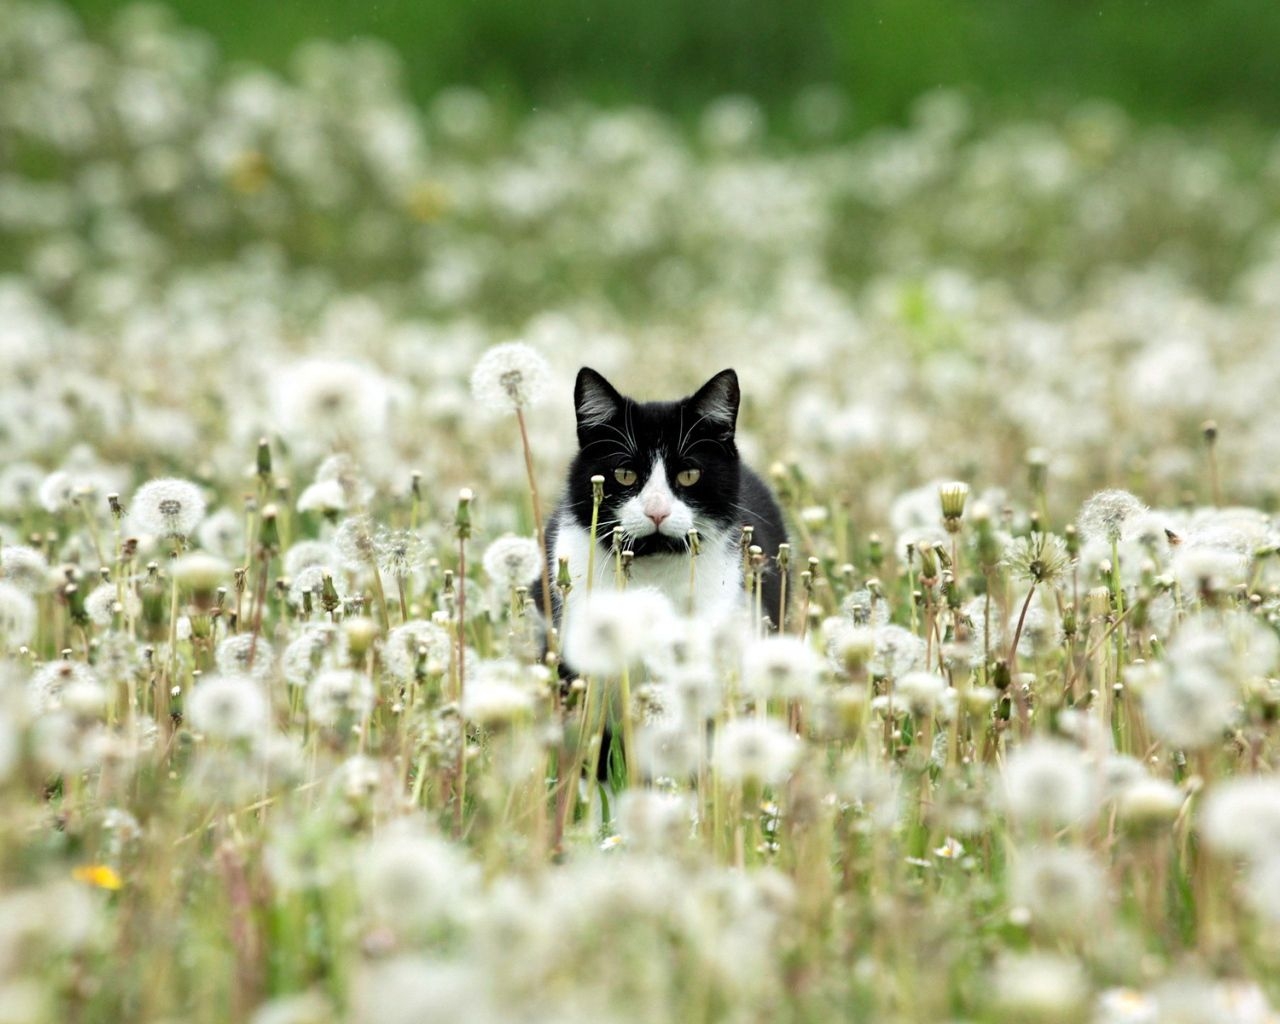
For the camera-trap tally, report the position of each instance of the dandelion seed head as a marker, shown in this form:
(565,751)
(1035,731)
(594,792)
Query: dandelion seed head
(400,553)
(312,579)
(1105,514)
(20,486)
(317,645)
(1047,783)
(1038,557)
(897,652)
(417,642)
(499,694)
(755,750)
(1064,889)
(104,602)
(17,615)
(51,681)
(780,666)
(922,692)
(513,375)
(1149,803)
(653,821)
(415,882)
(228,707)
(670,748)
(201,572)
(329,400)
(354,541)
(338,694)
(306,553)
(167,507)
(1240,817)
(25,568)
(1039,987)
(512,561)
(222,534)
(613,629)
(324,496)
(233,656)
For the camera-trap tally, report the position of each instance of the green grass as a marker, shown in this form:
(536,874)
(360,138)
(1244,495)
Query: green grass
(1180,60)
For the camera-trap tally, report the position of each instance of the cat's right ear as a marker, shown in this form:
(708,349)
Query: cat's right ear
(595,401)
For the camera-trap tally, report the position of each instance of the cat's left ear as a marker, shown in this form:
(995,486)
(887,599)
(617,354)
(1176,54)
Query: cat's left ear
(716,403)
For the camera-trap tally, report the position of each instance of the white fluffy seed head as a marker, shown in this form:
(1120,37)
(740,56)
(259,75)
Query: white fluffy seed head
(167,507)
(755,750)
(336,694)
(512,561)
(17,615)
(104,601)
(228,707)
(1064,890)
(781,666)
(513,375)
(614,628)
(1104,515)
(25,568)
(417,642)
(1241,817)
(1047,783)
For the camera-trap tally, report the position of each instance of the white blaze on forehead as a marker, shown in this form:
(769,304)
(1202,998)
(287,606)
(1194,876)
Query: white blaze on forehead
(656,498)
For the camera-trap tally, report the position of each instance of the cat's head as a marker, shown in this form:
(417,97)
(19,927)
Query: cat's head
(668,467)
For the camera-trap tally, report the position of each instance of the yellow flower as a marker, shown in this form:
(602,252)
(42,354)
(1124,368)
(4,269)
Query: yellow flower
(102,875)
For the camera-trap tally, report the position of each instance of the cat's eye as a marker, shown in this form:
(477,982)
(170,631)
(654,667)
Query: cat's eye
(688,477)
(626,477)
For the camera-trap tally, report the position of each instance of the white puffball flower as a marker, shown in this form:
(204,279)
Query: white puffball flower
(1039,987)
(243,653)
(323,496)
(104,601)
(408,642)
(1241,817)
(25,568)
(51,681)
(17,615)
(228,707)
(336,693)
(781,666)
(921,692)
(413,881)
(1063,889)
(1192,707)
(305,553)
(613,629)
(1103,516)
(659,822)
(332,399)
(755,750)
(499,694)
(1047,782)
(167,507)
(512,561)
(513,375)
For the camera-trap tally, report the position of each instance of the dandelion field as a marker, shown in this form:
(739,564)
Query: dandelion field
(277,739)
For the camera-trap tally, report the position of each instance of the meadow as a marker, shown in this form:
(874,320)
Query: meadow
(277,740)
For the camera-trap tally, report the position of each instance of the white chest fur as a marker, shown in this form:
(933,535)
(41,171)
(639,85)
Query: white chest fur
(714,592)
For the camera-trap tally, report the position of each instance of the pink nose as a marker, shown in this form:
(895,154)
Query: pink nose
(658,517)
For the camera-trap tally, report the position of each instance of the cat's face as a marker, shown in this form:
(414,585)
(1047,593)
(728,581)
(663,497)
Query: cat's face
(668,467)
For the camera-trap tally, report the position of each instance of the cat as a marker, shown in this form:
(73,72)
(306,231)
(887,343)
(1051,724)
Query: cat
(668,467)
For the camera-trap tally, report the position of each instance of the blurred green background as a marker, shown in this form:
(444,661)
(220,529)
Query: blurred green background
(1176,60)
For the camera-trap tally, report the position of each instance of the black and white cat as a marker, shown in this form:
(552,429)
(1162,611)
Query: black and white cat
(668,467)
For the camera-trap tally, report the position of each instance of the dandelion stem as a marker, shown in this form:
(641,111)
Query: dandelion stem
(537,523)
(1019,697)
